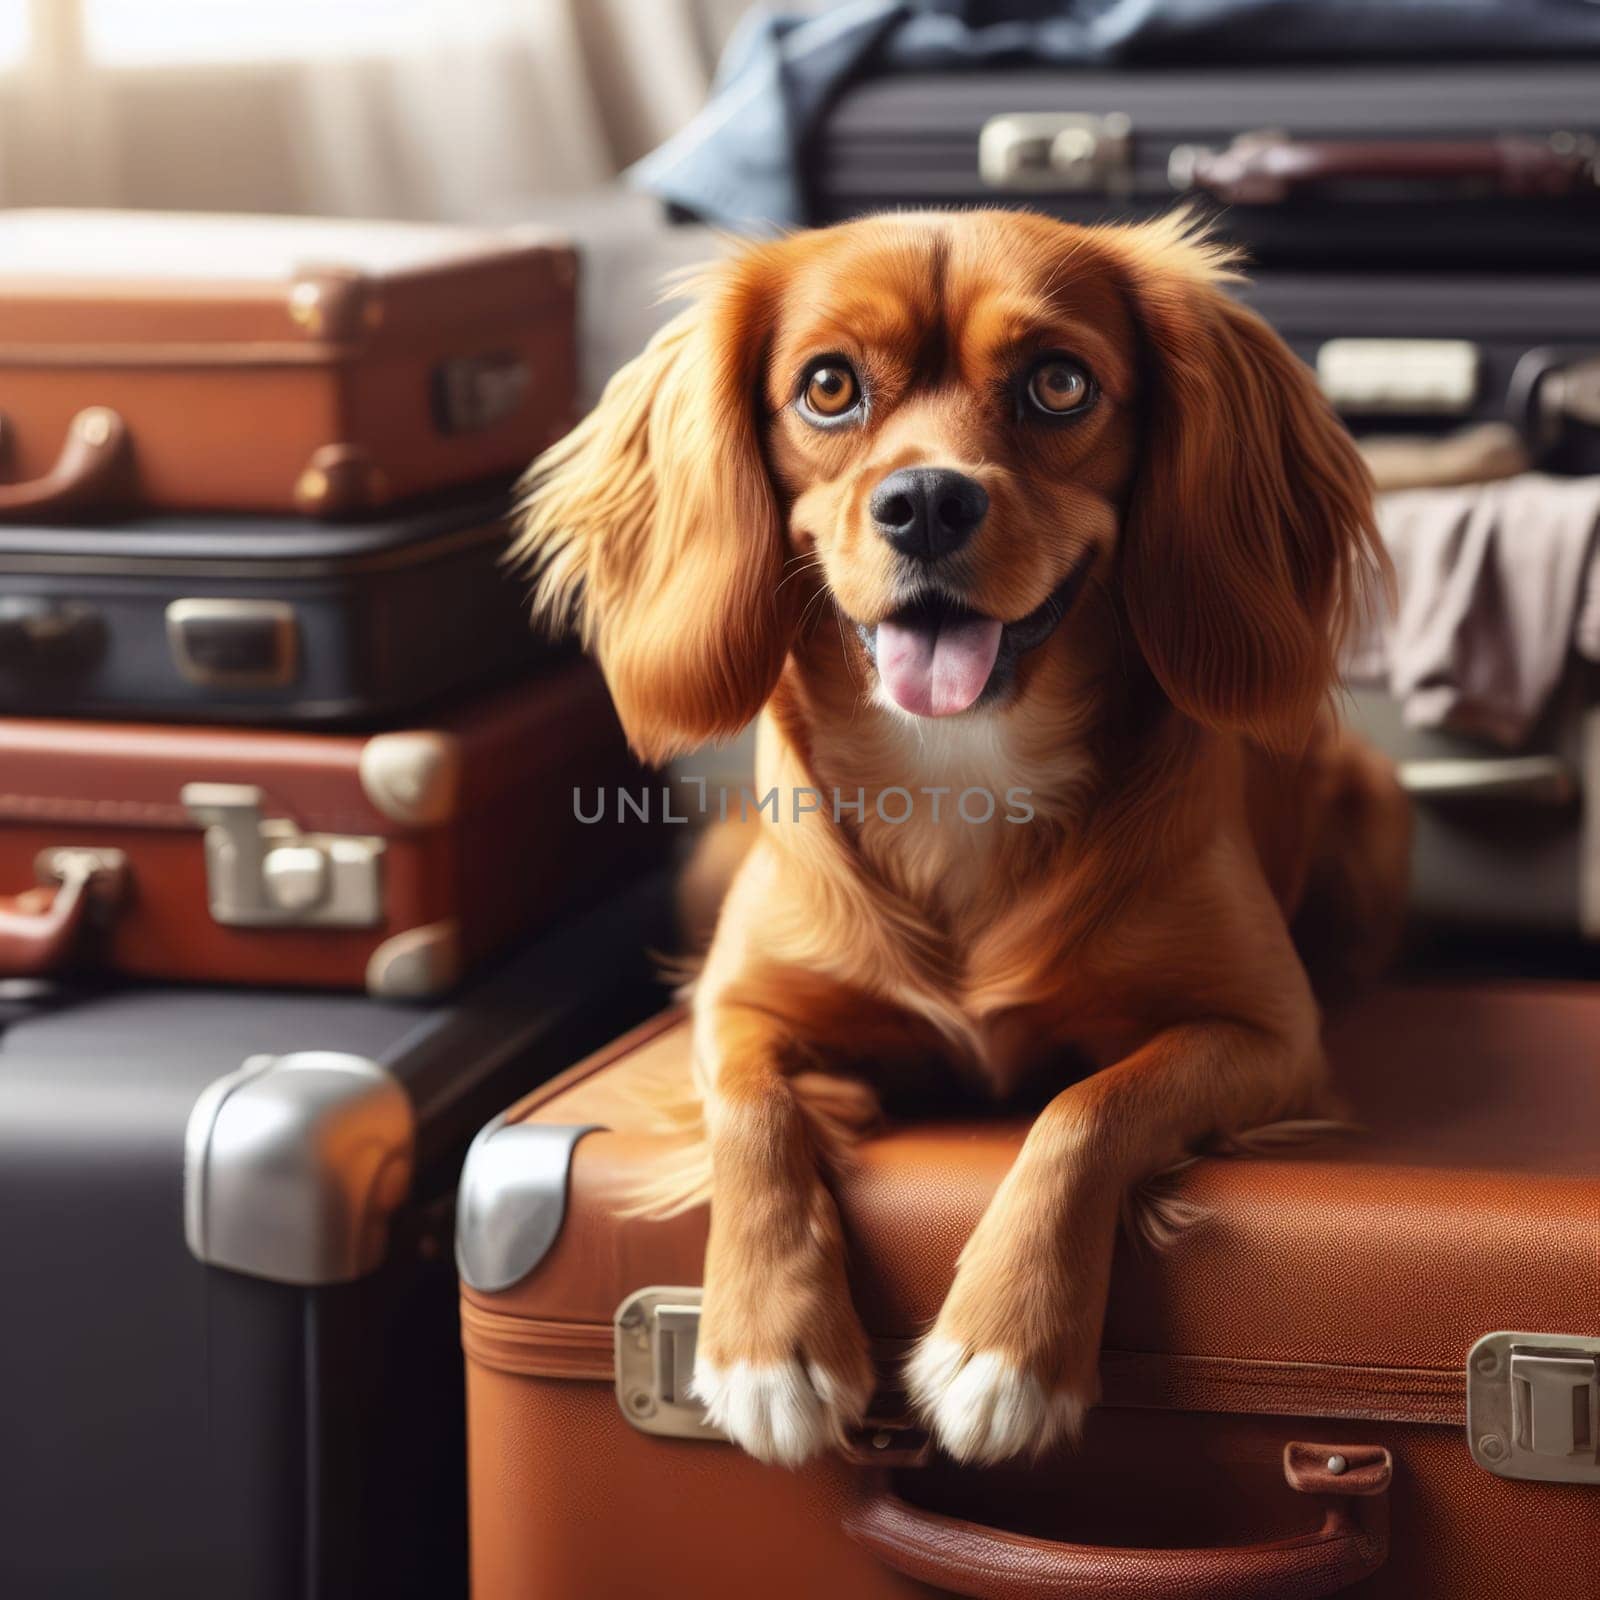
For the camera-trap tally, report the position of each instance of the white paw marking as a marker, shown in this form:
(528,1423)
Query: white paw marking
(983,1408)
(783,1412)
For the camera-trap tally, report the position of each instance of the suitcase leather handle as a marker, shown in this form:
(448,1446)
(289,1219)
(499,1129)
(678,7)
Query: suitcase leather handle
(39,927)
(966,1558)
(1268,168)
(90,471)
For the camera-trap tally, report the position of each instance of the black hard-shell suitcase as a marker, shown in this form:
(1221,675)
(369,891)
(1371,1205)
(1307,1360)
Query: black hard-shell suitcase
(1388,165)
(260,619)
(229,1361)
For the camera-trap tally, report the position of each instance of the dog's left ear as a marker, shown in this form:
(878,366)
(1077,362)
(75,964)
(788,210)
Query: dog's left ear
(653,526)
(1249,542)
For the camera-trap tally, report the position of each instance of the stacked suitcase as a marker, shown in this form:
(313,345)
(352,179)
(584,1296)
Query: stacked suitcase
(251,530)
(273,725)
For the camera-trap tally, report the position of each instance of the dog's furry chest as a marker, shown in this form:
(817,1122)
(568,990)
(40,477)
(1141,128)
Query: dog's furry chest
(960,810)
(986,823)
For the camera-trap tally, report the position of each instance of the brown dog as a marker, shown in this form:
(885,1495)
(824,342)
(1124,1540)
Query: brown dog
(981,504)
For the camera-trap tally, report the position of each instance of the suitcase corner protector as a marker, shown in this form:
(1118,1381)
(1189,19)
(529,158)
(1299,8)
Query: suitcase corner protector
(512,1200)
(293,1165)
(413,777)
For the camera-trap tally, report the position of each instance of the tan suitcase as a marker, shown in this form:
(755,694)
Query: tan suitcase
(177,362)
(1374,1369)
(394,861)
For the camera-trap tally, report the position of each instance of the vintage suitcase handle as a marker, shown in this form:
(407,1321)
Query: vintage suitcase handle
(1268,168)
(39,927)
(90,471)
(966,1558)
(41,635)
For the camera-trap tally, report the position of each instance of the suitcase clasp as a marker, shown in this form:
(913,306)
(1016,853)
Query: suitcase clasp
(1063,152)
(1533,1406)
(263,872)
(656,1331)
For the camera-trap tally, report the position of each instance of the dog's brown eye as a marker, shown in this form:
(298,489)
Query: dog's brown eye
(1058,386)
(831,389)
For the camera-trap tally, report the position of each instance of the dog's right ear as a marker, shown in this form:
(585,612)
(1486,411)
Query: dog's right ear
(654,528)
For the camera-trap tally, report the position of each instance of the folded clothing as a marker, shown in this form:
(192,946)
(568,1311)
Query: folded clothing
(1496,589)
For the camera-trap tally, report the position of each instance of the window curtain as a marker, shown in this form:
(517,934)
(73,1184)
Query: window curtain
(479,110)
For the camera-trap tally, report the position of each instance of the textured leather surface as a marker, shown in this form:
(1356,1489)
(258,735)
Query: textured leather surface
(510,857)
(230,380)
(1346,1280)
(568,1500)
(1472,1202)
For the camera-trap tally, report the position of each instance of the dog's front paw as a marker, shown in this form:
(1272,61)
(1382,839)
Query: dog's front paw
(781,1411)
(986,1405)
(784,1381)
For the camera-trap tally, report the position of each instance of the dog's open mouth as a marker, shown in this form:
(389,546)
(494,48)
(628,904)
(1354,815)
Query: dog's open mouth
(937,657)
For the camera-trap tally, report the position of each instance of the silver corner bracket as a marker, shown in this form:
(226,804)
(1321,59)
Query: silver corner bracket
(293,1166)
(512,1200)
(1533,1406)
(263,872)
(655,1333)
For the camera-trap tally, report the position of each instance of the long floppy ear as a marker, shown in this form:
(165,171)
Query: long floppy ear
(1249,544)
(653,527)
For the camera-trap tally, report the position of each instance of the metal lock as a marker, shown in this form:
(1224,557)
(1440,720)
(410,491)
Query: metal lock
(1060,151)
(1533,1406)
(264,872)
(655,1333)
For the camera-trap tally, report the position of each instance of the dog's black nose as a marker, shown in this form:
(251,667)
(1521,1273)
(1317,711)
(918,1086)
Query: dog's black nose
(928,511)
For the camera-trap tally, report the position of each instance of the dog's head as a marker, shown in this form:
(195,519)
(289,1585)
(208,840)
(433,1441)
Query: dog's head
(957,425)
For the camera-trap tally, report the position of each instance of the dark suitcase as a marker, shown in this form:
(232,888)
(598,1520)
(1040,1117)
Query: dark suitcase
(1388,165)
(1371,1368)
(253,363)
(394,861)
(229,1350)
(260,619)
(1430,352)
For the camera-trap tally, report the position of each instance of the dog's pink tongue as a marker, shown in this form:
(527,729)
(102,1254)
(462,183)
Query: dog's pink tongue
(938,669)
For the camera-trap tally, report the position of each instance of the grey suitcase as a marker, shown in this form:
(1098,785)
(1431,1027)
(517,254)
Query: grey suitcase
(260,619)
(229,1366)
(1391,166)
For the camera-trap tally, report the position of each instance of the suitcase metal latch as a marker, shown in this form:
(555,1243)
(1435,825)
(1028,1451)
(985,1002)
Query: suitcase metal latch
(1533,1406)
(264,872)
(655,1334)
(1057,151)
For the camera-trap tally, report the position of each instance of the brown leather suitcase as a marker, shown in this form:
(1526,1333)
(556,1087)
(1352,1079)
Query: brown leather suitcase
(176,362)
(1371,1370)
(392,861)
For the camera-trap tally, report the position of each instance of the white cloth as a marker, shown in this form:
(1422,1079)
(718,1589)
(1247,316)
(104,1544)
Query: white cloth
(1497,587)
